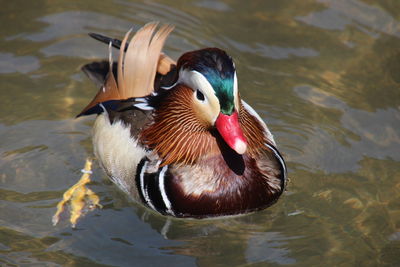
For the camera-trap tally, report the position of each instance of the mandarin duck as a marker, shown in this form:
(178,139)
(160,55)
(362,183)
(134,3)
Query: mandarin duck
(176,136)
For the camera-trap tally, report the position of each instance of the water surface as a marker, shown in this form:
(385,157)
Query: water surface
(324,75)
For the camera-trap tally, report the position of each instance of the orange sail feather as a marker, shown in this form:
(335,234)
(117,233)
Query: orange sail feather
(137,66)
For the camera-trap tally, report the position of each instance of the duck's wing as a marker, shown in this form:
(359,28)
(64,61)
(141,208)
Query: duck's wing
(98,71)
(165,63)
(141,66)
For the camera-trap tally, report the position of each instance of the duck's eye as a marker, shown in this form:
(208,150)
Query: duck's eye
(199,95)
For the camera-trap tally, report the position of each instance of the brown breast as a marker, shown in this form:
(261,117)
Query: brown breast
(226,184)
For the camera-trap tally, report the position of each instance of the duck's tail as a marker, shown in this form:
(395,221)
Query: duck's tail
(137,66)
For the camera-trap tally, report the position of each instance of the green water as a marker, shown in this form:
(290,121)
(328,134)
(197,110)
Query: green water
(324,75)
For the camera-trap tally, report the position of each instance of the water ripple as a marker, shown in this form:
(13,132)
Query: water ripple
(341,13)
(376,140)
(22,64)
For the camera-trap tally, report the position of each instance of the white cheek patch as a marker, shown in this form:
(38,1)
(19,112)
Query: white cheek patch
(197,81)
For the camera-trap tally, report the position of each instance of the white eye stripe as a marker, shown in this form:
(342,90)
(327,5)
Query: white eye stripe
(196,81)
(208,108)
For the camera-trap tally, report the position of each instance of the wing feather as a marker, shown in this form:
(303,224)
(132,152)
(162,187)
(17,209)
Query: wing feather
(138,62)
(141,59)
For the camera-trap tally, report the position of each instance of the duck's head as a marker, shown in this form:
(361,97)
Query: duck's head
(211,74)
